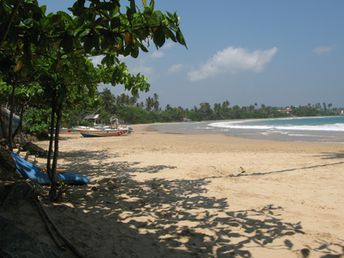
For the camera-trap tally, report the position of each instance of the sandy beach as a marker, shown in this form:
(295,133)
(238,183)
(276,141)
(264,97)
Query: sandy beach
(175,195)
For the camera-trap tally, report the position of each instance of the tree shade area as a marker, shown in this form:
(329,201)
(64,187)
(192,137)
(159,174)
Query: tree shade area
(45,57)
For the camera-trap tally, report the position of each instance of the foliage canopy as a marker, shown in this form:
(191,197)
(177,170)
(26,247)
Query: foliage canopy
(53,51)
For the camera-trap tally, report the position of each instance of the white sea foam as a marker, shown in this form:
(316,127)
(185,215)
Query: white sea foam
(339,127)
(301,135)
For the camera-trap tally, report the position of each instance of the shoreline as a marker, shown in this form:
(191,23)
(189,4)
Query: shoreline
(294,135)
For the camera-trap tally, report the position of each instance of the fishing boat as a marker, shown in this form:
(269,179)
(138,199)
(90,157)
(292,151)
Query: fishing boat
(106,132)
(100,130)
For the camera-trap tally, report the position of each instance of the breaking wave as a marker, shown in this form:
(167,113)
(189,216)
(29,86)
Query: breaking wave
(249,124)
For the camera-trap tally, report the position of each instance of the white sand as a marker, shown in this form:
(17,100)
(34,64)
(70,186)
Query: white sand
(171,195)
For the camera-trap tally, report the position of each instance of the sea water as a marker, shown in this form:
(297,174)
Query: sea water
(317,129)
(329,124)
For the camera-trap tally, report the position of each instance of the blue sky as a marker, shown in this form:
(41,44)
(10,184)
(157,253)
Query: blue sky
(267,51)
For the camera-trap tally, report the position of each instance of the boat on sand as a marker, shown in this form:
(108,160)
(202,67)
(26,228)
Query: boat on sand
(106,132)
(101,130)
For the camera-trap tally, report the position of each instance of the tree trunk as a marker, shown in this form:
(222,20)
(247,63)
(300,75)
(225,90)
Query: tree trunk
(57,134)
(51,137)
(54,140)
(54,194)
(10,122)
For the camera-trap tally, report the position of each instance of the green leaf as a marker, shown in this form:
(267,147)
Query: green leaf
(143,48)
(81,32)
(43,9)
(67,43)
(151,5)
(169,34)
(107,38)
(147,11)
(134,52)
(159,37)
(127,51)
(88,44)
(159,16)
(118,43)
(180,38)
(78,7)
(108,60)
(129,14)
(106,6)
(115,22)
(115,76)
(132,6)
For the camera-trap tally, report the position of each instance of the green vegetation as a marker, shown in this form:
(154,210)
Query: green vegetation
(132,111)
(45,58)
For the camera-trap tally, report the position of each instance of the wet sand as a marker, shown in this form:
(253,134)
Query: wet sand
(202,195)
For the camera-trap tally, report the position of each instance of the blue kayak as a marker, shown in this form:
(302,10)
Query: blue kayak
(34,173)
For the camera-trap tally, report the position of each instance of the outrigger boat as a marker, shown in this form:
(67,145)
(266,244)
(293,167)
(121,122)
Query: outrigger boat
(106,132)
(100,130)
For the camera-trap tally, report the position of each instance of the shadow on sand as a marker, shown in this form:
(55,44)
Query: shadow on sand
(288,169)
(332,155)
(122,217)
(330,250)
(325,156)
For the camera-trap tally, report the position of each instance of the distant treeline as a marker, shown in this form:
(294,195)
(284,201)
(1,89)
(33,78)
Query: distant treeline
(131,110)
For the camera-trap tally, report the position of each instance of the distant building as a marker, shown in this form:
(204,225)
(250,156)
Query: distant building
(287,110)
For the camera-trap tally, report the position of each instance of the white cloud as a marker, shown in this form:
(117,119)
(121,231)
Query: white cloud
(176,68)
(157,54)
(323,50)
(233,60)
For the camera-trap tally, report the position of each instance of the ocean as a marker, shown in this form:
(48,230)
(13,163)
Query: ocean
(315,129)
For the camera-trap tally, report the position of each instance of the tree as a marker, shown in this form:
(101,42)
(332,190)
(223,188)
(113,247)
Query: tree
(108,101)
(206,111)
(61,44)
(156,103)
(149,104)
(18,31)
